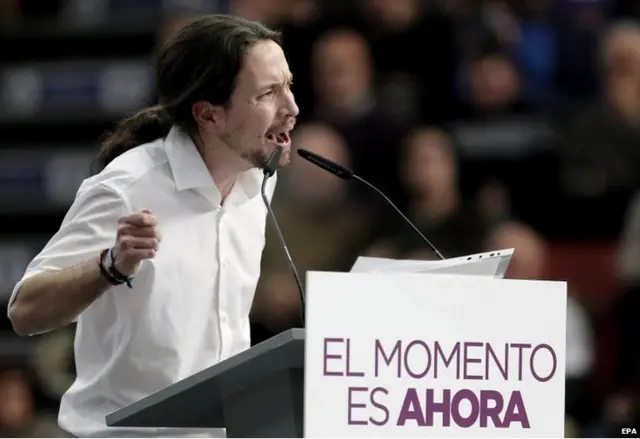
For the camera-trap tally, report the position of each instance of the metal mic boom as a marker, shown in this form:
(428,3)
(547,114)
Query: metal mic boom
(269,170)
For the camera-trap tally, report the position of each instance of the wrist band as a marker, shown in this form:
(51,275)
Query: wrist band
(114,271)
(110,272)
(104,272)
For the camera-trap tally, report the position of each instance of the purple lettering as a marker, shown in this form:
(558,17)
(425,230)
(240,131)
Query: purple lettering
(411,410)
(504,371)
(491,404)
(328,356)
(520,346)
(378,405)
(379,351)
(515,411)
(486,405)
(423,373)
(352,405)
(349,372)
(553,357)
(467,360)
(461,421)
(455,353)
(443,407)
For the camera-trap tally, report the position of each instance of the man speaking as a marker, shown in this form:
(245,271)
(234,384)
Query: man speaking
(158,257)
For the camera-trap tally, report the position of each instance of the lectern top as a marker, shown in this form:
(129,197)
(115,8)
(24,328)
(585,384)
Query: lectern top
(204,392)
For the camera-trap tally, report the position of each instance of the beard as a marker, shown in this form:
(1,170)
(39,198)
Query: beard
(259,158)
(285,158)
(258,155)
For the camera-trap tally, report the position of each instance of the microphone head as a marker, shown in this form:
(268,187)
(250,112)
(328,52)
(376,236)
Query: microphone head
(273,162)
(326,164)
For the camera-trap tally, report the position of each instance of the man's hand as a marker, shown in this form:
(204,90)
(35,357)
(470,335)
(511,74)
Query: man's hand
(137,239)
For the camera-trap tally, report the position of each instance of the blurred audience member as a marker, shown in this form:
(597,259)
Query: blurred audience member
(503,21)
(601,151)
(493,202)
(578,26)
(18,415)
(269,12)
(324,227)
(302,12)
(10,14)
(497,133)
(415,82)
(472,30)
(533,45)
(429,171)
(343,77)
(627,378)
(492,87)
(530,257)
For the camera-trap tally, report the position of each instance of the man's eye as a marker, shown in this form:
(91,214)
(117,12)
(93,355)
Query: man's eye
(269,93)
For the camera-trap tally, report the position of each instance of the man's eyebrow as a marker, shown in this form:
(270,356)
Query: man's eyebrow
(287,81)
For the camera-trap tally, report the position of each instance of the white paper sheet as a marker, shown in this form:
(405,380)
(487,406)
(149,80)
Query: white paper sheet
(492,264)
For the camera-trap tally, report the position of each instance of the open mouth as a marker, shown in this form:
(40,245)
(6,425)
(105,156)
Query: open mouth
(280,138)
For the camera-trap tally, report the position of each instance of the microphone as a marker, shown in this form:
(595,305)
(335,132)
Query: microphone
(269,169)
(348,174)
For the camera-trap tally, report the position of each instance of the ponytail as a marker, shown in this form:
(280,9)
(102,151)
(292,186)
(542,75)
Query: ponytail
(144,126)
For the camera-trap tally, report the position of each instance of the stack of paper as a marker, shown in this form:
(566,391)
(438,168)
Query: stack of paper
(493,264)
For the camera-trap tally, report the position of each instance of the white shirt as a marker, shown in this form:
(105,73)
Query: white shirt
(189,306)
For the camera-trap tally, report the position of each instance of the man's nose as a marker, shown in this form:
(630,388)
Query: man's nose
(291,108)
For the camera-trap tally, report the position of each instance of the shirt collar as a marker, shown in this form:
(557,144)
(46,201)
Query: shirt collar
(190,172)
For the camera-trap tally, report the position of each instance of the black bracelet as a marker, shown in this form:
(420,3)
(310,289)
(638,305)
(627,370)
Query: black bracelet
(105,273)
(116,274)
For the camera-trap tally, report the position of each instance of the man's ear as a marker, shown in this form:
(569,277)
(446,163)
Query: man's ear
(207,115)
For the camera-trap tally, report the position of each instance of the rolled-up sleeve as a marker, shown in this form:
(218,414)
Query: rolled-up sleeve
(88,227)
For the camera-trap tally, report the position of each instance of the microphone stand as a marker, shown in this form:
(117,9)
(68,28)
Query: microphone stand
(402,215)
(269,170)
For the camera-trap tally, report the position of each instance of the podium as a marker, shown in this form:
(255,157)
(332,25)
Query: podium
(388,355)
(257,393)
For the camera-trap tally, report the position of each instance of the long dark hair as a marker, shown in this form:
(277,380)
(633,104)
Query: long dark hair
(199,62)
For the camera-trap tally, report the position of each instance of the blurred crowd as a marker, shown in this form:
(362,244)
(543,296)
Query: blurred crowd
(492,123)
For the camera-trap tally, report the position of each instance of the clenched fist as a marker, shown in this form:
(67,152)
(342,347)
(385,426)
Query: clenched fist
(137,239)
